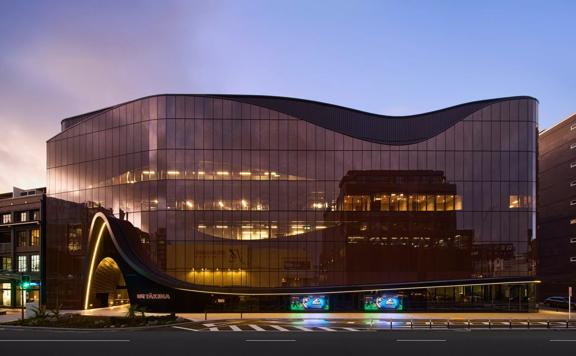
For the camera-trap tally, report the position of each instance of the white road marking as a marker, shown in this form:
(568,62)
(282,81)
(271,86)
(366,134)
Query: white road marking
(325,328)
(303,328)
(235,328)
(209,325)
(278,327)
(69,340)
(214,329)
(421,340)
(270,340)
(350,329)
(256,327)
(183,328)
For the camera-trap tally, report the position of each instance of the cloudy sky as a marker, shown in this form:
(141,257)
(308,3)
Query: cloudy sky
(63,58)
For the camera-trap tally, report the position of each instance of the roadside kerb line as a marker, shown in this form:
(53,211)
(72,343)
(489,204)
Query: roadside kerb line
(183,328)
(65,340)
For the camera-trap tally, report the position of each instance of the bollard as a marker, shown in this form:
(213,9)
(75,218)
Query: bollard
(430,325)
(411,324)
(489,324)
(548,324)
(448,324)
(390,324)
(509,324)
(528,321)
(468,323)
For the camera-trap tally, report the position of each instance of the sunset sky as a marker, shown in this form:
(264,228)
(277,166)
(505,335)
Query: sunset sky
(63,58)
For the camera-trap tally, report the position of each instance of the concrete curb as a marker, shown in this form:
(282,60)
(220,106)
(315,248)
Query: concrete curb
(133,328)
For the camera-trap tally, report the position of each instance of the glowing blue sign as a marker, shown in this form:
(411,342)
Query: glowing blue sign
(311,302)
(382,302)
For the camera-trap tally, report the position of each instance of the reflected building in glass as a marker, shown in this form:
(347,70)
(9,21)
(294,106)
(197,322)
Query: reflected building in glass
(231,202)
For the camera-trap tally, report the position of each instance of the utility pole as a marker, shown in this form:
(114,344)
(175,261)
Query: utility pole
(569,302)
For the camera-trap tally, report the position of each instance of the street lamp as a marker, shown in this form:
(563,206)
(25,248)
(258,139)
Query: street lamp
(24,285)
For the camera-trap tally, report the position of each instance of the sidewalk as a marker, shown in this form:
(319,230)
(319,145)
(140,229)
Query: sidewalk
(11,315)
(541,315)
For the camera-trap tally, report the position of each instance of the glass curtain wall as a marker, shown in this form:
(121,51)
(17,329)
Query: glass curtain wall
(237,195)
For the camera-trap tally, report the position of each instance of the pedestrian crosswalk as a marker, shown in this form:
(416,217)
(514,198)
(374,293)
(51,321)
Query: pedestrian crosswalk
(263,327)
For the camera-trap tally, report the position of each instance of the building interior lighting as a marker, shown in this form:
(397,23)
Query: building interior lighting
(245,173)
(173,173)
(222,173)
(189,204)
(244,203)
(221,203)
(201,173)
(148,172)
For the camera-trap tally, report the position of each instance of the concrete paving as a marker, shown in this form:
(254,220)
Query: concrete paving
(541,315)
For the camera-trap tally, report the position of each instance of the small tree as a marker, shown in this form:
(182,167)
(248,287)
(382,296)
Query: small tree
(131,312)
(56,311)
(40,312)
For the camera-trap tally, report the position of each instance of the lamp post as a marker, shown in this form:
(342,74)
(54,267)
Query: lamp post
(24,285)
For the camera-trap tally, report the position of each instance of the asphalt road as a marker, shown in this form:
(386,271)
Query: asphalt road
(173,341)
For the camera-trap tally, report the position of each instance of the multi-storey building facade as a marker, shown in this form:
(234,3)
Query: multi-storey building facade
(224,201)
(21,243)
(557,208)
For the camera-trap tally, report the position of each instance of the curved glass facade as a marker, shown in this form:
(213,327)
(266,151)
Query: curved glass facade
(231,194)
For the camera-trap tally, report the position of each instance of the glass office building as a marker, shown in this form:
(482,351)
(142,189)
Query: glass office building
(256,200)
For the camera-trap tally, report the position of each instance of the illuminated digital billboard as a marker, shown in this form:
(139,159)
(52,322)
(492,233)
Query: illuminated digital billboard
(382,302)
(309,303)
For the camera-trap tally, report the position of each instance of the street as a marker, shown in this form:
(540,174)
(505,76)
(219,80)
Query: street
(184,341)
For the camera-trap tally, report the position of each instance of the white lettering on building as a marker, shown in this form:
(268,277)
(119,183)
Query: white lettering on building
(153,296)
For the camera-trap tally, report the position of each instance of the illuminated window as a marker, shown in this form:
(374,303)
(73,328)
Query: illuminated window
(421,203)
(74,238)
(430,199)
(6,218)
(440,203)
(23,216)
(449,202)
(457,202)
(385,202)
(6,264)
(402,203)
(35,263)
(519,201)
(514,202)
(22,264)
(35,237)
(573,126)
(356,203)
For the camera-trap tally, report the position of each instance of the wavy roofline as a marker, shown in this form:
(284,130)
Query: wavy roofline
(228,96)
(310,105)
